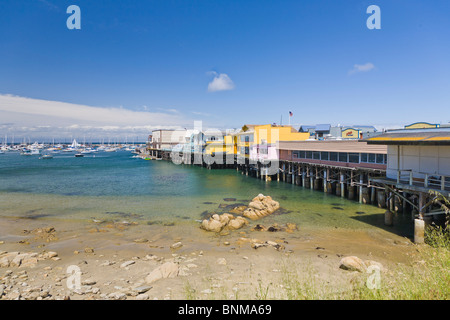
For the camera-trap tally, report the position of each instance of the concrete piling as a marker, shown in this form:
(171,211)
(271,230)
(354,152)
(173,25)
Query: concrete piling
(388,218)
(419,231)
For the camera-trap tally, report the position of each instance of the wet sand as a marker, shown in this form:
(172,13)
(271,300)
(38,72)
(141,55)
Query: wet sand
(210,265)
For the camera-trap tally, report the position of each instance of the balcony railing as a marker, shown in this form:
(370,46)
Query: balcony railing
(422,179)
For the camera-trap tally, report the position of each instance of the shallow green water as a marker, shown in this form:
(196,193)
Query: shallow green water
(116,186)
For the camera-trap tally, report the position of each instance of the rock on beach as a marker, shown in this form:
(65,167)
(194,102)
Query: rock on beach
(353,263)
(167,270)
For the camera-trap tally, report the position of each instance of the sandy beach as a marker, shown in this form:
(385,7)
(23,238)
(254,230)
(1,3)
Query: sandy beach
(115,259)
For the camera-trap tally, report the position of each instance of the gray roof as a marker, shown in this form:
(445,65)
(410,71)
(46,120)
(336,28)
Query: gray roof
(305,128)
(323,127)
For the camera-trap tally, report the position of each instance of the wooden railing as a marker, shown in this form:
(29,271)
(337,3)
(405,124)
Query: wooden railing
(427,180)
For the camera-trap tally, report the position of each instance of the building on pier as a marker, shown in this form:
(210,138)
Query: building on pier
(422,125)
(328,132)
(418,170)
(164,140)
(255,141)
(340,167)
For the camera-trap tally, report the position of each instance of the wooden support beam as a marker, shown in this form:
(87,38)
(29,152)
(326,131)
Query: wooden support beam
(421,205)
(361,181)
(303,177)
(401,196)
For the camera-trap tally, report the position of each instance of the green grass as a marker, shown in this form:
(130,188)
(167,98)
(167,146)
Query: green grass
(189,291)
(425,278)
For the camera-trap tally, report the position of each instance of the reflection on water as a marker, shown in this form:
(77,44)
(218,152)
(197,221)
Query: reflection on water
(114,185)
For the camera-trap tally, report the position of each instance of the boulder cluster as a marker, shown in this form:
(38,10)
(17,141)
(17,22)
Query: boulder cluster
(260,207)
(219,222)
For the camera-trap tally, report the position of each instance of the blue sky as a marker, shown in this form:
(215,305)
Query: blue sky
(158,59)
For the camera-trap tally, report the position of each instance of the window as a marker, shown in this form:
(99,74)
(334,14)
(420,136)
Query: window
(308,154)
(324,156)
(385,159)
(353,157)
(342,156)
(333,156)
(371,158)
(264,151)
(380,158)
(316,155)
(295,154)
(302,154)
(364,157)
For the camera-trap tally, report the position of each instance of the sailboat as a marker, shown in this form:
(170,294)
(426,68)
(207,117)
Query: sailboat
(72,147)
(46,156)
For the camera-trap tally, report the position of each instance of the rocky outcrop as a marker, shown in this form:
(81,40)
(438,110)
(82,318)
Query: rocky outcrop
(238,209)
(24,260)
(219,222)
(260,207)
(237,223)
(47,234)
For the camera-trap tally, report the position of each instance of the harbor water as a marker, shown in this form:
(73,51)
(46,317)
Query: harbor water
(117,186)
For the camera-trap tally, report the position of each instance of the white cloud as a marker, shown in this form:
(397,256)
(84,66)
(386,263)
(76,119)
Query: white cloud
(221,82)
(198,113)
(362,68)
(34,117)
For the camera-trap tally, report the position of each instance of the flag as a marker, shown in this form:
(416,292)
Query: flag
(290,114)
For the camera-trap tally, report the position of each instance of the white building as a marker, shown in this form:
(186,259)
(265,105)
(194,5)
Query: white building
(165,139)
(418,171)
(419,157)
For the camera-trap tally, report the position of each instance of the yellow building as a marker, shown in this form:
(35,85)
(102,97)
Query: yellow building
(225,146)
(422,125)
(241,143)
(351,133)
(244,140)
(265,135)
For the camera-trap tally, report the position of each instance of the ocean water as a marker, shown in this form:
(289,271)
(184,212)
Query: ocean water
(116,186)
